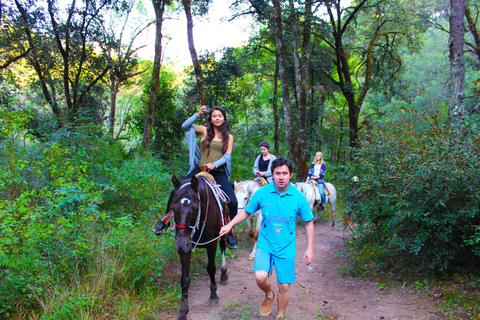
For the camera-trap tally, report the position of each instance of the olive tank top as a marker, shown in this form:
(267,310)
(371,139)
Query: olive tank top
(216,152)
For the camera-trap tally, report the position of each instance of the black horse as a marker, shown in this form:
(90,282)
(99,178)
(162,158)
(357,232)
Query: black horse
(198,220)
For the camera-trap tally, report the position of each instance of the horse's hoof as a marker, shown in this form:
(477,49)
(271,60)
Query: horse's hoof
(214,302)
(251,258)
(224,279)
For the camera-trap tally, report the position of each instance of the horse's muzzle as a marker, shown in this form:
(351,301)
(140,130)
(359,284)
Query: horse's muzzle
(183,241)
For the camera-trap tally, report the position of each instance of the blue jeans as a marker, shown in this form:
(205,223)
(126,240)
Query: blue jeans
(321,186)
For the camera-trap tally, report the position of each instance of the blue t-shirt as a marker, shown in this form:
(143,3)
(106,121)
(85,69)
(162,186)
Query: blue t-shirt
(279,212)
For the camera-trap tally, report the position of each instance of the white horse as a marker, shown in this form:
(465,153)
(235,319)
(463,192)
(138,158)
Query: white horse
(310,190)
(244,191)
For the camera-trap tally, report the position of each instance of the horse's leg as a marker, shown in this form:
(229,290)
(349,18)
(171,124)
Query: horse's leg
(185,283)
(332,202)
(223,268)
(251,234)
(314,206)
(211,269)
(258,214)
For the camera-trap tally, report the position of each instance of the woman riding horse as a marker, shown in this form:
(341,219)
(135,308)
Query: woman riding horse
(263,163)
(316,172)
(214,155)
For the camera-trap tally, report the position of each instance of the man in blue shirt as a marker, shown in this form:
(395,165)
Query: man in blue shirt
(281,203)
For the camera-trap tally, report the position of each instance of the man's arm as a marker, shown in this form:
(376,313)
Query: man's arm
(310,230)
(242,215)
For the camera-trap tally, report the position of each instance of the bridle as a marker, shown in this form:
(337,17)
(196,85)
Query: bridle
(197,223)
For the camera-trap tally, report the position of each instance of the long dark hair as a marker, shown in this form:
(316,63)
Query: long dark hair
(224,130)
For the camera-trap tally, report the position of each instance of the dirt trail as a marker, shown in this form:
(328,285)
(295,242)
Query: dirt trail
(320,291)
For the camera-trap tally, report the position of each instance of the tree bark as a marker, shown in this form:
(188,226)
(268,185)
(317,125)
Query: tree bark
(457,63)
(276,134)
(282,73)
(193,53)
(159,6)
(114,84)
(473,30)
(296,140)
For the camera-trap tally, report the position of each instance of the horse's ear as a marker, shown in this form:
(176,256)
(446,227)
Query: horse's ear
(194,183)
(234,183)
(176,182)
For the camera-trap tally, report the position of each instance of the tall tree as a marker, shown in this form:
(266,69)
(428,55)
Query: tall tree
(159,6)
(296,138)
(457,63)
(64,41)
(366,52)
(187,5)
(13,42)
(121,55)
(297,29)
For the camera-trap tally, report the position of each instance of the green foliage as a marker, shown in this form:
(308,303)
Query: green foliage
(418,203)
(219,78)
(167,119)
(75,210)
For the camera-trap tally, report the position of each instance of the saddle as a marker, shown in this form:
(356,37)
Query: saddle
(325,189)
(219,194)
(207,175)
(261,181)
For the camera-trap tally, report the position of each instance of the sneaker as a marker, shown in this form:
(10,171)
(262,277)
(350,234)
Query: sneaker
(267,304)
(231,242)
(159,228)
(322,207)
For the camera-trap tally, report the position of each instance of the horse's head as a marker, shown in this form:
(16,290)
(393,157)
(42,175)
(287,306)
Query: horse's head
(186,208)
(244,191)
(242,195)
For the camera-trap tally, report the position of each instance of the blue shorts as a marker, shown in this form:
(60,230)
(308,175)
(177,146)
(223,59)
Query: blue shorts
(285,267)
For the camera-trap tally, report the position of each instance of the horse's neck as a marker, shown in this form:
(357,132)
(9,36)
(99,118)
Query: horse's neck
(253,186)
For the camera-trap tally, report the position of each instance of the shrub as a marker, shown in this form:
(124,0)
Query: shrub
(418,202)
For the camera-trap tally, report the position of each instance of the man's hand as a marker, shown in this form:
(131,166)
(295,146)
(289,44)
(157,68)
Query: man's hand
(225,230)
(308,257)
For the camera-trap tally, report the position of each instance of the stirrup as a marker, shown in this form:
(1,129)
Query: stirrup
(160,225)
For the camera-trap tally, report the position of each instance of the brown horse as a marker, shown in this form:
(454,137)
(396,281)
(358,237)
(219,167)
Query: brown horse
(197,219)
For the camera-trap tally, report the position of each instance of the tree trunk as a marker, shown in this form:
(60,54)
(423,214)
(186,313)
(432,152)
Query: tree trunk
(296,142)
(276,134)
(51,100)
(473,30)
(193,53)
(159,6)
(343,69)
(456,42)
(282,73)
(303,95)
(113,102)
